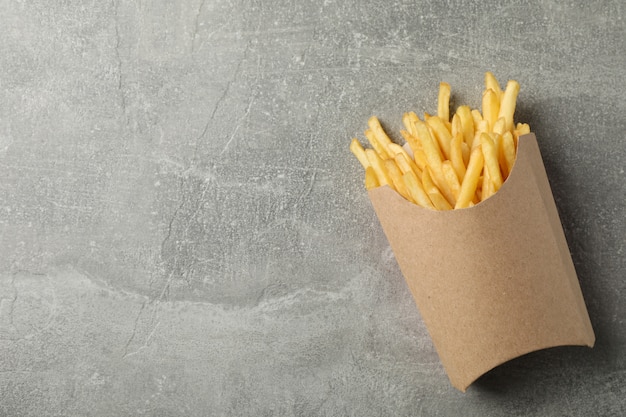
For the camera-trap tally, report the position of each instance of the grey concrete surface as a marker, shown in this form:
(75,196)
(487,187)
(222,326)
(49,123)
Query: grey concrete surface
(183,231)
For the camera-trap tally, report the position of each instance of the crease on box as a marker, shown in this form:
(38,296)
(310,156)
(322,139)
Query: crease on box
(492,282)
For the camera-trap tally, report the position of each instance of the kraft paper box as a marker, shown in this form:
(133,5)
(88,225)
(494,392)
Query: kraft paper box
(494,281)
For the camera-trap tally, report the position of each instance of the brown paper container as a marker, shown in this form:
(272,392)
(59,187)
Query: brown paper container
(494,281)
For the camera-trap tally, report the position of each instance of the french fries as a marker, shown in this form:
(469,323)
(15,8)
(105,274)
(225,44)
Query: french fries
(450,161)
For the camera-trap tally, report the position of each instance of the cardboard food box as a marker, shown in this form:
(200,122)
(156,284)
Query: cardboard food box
(494,281)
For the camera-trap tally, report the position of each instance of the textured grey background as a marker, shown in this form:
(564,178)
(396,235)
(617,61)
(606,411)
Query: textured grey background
(184,232)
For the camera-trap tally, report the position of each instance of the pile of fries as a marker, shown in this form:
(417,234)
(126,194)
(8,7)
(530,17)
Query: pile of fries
(449,162)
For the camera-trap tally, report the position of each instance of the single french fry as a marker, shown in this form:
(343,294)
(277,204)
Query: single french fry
(467,124)
(420,159)
(476,117)
(456,155)
(492,165)
(359,152)
(377,164)
(437,198)
(442,134)
(443,102)
(507,104)
(442,155)
(416,190)
(491,107)
(497,140)
(492,83)
(487,188)
(371,180)
(455,125)
(470,181)
(376,145)
(451,178)
(465,149)
(508,151)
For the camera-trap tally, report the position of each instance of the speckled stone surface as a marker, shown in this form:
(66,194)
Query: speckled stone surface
(183,230)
